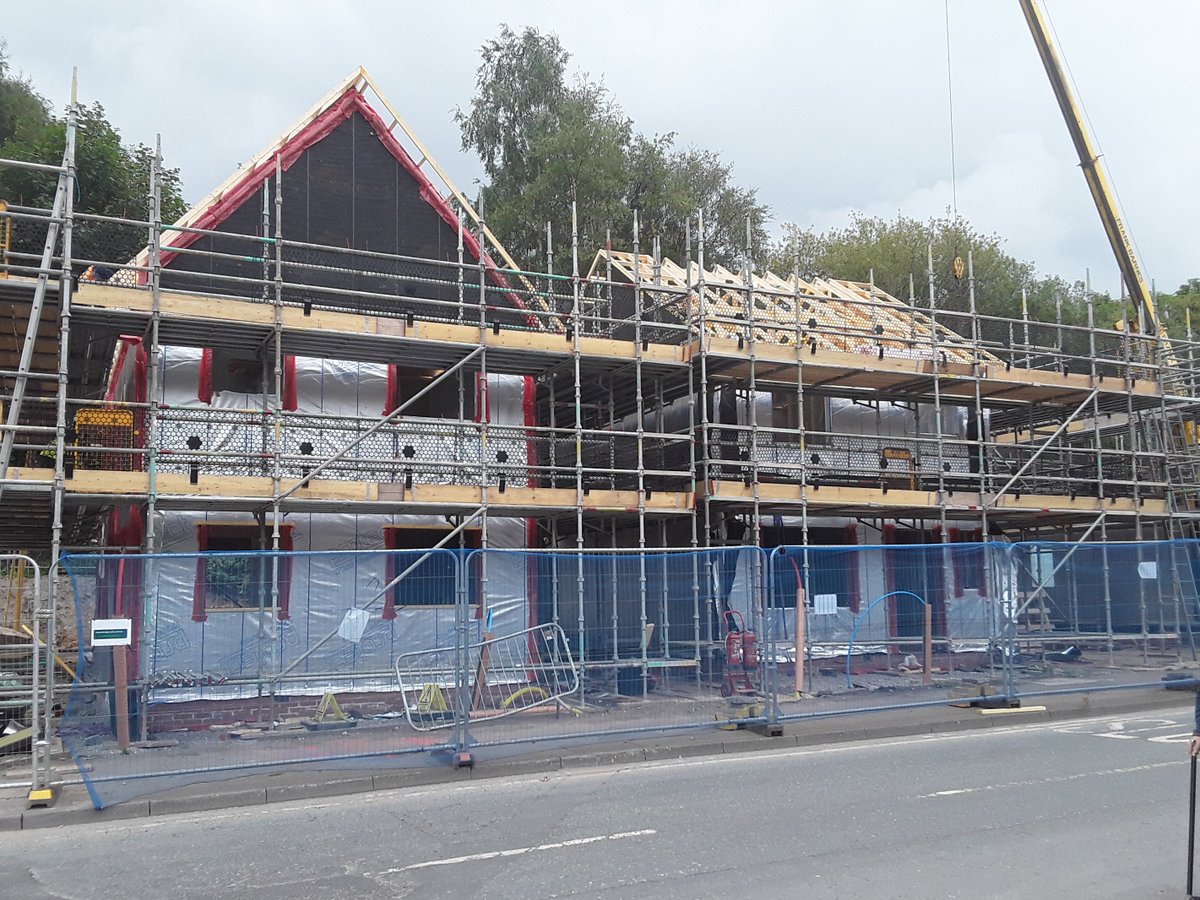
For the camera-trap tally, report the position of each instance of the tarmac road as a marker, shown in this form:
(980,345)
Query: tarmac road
(1094,807)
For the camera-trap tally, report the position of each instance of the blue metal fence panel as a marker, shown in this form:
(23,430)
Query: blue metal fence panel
(243,661)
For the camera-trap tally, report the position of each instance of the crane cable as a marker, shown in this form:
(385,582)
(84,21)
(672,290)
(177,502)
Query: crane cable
(950,97)
(957,266)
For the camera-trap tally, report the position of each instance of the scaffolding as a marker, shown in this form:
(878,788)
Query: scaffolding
(676,404)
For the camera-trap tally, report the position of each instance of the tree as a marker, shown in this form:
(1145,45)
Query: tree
(519,85)
(1181,308)
(21,107)
(574,153)
(113,178)
(545,141)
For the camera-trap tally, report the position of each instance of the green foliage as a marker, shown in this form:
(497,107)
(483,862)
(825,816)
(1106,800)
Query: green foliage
(519,86)
(1177,309)
(579,155)
(545,142)
(113,178)
(21,108)
(229,580)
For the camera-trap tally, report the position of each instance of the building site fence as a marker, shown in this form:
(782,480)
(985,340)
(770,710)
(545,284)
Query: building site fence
(27,670)
(242,661)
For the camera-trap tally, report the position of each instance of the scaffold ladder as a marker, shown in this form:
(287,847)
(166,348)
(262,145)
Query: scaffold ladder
(1183,472)
(1183,506)
(66,174)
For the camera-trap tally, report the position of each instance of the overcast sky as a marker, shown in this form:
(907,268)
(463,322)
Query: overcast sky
(825,107)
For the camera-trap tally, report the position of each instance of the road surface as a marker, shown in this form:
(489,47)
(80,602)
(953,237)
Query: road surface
(1095,808)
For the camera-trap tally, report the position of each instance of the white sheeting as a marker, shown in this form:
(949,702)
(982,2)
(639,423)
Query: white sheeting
(323,585)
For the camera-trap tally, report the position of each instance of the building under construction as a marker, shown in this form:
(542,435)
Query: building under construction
(331,351)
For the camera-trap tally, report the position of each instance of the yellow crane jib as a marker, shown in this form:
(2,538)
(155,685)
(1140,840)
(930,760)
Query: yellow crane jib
(1102,195)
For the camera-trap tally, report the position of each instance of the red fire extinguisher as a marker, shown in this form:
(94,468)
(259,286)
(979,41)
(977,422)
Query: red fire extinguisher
(749,651)
(733,640)
(741,655)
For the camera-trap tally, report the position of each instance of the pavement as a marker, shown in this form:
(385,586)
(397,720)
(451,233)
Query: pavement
(73,805)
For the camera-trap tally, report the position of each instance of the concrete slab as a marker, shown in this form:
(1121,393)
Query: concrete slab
(57,816)
(605,758)
(203,802)
(683,751)
(760,744)
(417,776)
(503,768)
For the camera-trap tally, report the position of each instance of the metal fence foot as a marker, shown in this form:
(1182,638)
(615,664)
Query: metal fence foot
(464,760)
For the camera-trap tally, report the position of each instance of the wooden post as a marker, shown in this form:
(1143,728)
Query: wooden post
(485,652)
(927,675)
(120,660)
(799,632)
(121,668)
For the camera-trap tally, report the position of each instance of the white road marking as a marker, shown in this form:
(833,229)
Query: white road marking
(518,851)
(850,746)
(1057,779)
(1181,738)
(1125,730)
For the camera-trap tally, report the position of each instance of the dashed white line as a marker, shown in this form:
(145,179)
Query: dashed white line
(517,851)
(1057,779)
